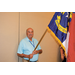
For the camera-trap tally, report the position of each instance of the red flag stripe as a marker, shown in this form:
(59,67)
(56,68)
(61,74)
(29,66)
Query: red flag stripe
(71,46)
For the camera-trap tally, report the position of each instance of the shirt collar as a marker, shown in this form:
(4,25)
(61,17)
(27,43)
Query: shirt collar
(28,39)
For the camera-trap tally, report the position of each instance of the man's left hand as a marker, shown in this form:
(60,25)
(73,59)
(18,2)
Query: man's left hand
(35,52)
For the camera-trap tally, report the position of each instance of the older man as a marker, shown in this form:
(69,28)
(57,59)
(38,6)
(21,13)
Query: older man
(27,45)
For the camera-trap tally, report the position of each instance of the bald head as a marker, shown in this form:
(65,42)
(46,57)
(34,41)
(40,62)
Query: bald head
(29,33)
(29,29)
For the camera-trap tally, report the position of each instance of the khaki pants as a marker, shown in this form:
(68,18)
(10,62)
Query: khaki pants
(27,60)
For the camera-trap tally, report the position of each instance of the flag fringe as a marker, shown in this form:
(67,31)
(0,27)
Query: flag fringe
(56,39)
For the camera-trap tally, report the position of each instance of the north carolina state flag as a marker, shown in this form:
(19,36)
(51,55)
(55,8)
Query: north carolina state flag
(71,45)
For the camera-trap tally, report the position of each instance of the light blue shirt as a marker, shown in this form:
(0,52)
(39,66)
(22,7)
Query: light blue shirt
(27,48)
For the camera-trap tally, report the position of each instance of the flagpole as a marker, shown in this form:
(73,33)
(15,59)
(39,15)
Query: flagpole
(40,40)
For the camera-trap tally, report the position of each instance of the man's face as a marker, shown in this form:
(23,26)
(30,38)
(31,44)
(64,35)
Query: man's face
(29,32)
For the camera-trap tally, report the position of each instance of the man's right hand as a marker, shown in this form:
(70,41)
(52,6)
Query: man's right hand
(30,56)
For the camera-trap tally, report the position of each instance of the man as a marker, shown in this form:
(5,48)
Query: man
(27,45)
(63,58)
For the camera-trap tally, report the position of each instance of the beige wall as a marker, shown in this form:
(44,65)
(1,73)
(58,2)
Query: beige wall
(13,29)
(9,22)
(39,21)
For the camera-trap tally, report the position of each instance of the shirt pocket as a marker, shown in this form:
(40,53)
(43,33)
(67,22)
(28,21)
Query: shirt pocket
(27,49)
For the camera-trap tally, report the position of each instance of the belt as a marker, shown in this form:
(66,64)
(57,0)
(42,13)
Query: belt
(31,61)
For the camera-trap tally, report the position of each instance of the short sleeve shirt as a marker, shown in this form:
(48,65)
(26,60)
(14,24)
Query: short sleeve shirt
(27,47)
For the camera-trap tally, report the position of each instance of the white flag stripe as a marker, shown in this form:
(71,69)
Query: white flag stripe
(66,42)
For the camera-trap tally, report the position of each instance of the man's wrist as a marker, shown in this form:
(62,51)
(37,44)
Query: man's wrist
(27,56)
(23,55)
(38,51)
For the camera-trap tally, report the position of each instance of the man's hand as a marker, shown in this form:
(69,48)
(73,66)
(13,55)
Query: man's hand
(30,56)
(35,52)
(62,57)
